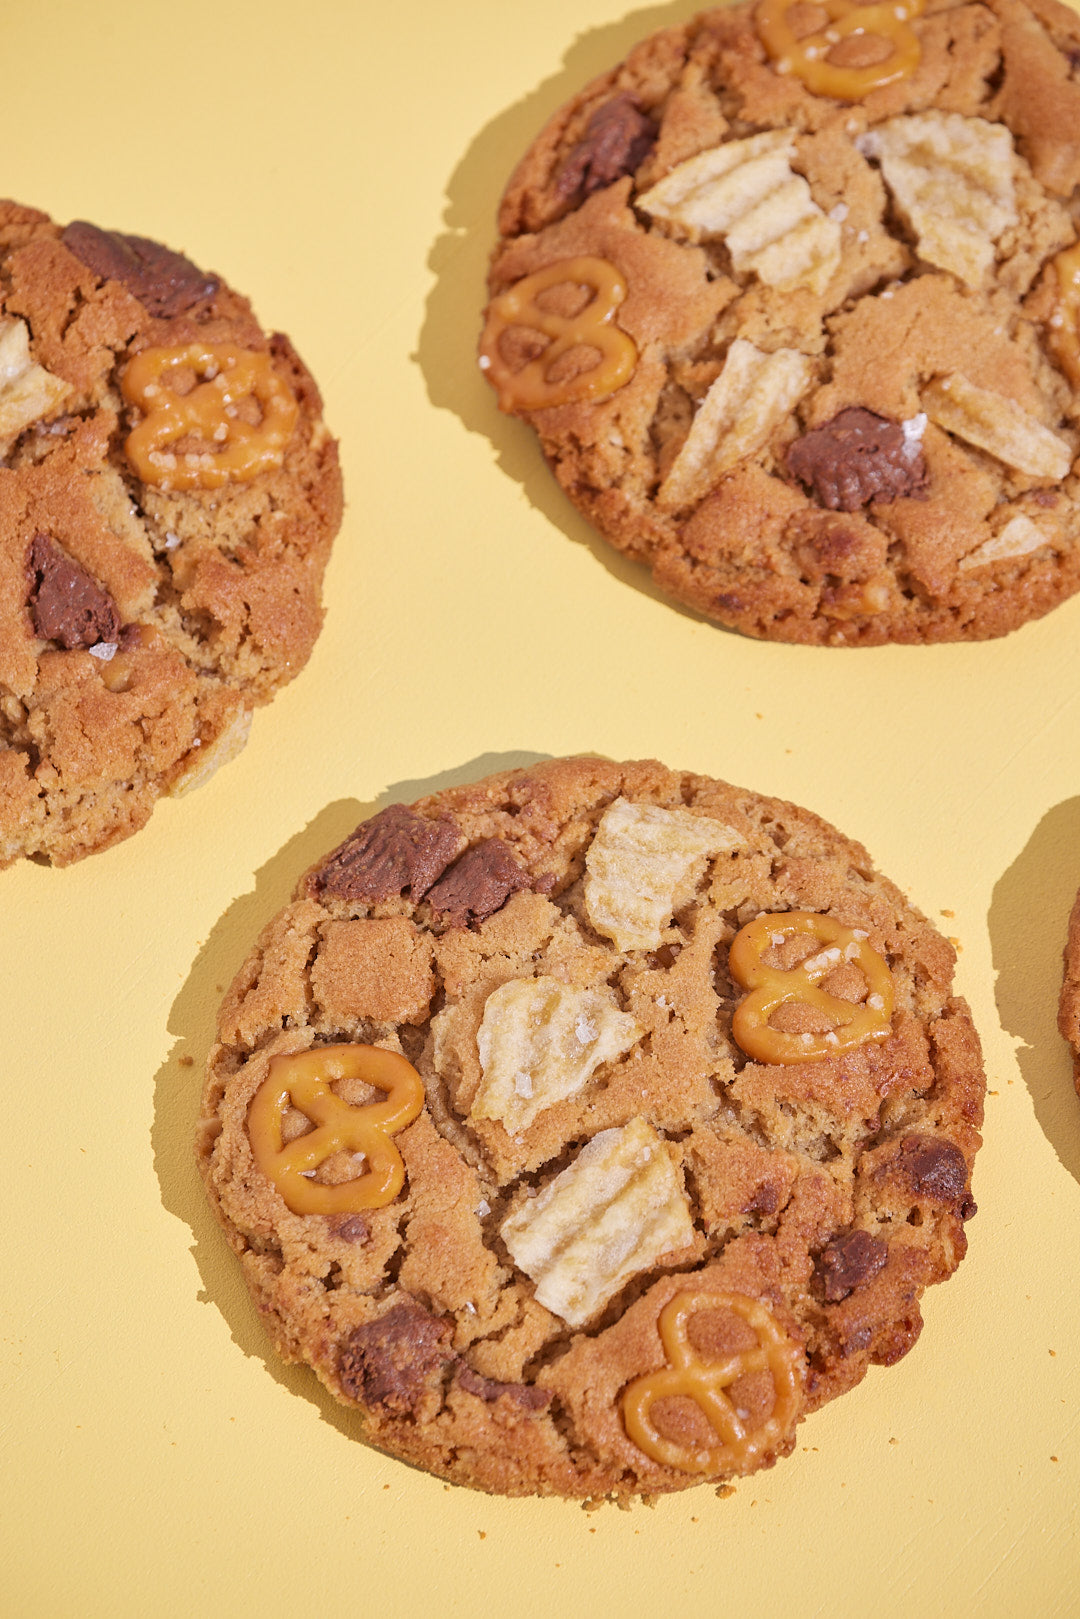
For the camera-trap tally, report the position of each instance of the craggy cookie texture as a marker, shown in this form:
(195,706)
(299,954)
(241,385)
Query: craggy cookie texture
(484,1127)
(792,299)
(168,496)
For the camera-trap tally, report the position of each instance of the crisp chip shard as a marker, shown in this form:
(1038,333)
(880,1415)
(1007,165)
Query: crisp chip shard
(1018,537)
(998,425)
(614,1212)
(639,862)
(746,192)
(953,179)
(27,391)
(753,394)
(540,1041)
(203,761)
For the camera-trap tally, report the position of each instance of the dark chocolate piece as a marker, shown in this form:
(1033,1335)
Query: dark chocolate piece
(66,604)
(386,1363)
(617,140)
(850,1261)
(857,458)
(478,884)
(393,851)
(164,282)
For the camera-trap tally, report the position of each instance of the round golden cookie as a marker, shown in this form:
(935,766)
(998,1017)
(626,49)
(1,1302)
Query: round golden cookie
(792,299)
(483,1127)
(168,497)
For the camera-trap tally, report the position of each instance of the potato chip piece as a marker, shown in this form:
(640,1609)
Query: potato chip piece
(1019,537)
(753,394)
(998,425)
(617,1209)
(746,192)
(27,391)
(641,860)
(540,1041)
(952,178)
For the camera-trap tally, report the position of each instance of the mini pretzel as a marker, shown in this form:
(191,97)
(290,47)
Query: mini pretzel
(705,1383)
(303,1082)
(808,57)
(855,1023)
(1064,333)
(531,388)
(208,414)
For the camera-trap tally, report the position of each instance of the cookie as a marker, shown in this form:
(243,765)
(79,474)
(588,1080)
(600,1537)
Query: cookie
(1069,1003)
(792,300)
(168,497)
(588,1127)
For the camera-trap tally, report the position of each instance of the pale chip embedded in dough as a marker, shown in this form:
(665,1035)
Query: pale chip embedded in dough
(753,394)
(998,425)
(540,1041)
(640,859)
(614,1212)
(1018,538)
(952,178)
(746,192)
(27,391)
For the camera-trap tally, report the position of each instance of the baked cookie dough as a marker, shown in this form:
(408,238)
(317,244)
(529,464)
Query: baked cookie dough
(1069,1004)
(792,300)
(588,1127)
(168,497)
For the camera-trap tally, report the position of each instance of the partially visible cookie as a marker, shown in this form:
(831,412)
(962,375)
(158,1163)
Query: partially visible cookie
(1069,1003)
(792,299)
(168,497)
(588,1127)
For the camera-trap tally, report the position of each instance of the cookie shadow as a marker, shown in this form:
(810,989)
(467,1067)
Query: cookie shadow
(1029,913)
(446,350)
(192,1022)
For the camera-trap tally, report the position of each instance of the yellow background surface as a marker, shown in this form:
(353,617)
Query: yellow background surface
(341,163)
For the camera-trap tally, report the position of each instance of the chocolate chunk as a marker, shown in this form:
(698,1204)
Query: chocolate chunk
(523,1394)
(933,1168)
(617,140)
(395,850)
(66,605)
(478,884)
(766,1200)
(352,1229)
(856,458)
(164,282)
(847,1262)
(386,1363)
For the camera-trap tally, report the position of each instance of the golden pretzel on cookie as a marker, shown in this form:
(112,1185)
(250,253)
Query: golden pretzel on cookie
(1064,332)
(303,1081)
(533,387)
(688,1376)
(208,413)
(854,1022)
(823,60)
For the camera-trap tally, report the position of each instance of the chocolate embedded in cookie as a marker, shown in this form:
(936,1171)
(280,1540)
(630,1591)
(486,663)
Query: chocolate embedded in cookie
(774,267)
(596,1163)
(168,497)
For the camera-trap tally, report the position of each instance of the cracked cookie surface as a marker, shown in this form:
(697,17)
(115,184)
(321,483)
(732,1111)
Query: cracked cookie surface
(853,408)
(162,546)
(616,1255)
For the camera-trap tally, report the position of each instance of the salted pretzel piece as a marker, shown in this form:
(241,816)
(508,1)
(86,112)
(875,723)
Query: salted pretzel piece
(854,1023)
(1065,323)
(532,388)
(208,414)
(303,1081)
(809,56)
(706,1383)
